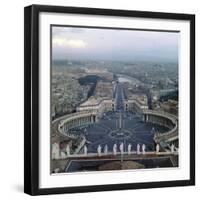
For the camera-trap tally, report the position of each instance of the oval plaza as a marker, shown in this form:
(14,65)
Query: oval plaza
(121,129)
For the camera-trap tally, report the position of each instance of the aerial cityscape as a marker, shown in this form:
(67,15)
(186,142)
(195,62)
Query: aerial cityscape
(114,99)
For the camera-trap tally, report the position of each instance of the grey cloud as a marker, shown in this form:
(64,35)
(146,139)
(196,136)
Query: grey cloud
(117,44)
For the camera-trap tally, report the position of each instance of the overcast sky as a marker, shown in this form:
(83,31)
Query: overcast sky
(106,44)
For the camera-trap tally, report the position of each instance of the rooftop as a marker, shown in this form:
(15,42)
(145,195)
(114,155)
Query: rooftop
(91,101)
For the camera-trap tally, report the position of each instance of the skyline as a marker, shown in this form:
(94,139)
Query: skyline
(76,43)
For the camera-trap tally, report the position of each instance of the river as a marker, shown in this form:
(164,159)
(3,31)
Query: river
(129,79)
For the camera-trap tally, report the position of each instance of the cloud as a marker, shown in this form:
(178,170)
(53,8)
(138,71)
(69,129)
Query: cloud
(111,44)
(73,43)
(76,43)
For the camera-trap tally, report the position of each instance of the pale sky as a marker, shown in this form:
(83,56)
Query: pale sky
(110,44)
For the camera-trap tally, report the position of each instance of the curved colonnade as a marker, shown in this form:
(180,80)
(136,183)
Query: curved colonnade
(66,122)
(164,119)
(77,119)
(88,117)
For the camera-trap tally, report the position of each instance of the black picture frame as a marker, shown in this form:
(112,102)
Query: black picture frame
(31,98)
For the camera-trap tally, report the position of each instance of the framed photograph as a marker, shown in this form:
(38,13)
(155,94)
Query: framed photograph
(109,99)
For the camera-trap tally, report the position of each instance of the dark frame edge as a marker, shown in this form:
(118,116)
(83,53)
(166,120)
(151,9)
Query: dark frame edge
(31,101)
(192,99)
(114,187)
(27,100)
(111,12)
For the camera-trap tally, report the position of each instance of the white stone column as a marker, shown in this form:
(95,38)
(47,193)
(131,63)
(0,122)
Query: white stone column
(85,150)
(55,151)
(106,149)
(143,118)
(143,148)
(157,148)
(62,155)
(99,150)
(172,148)
(121,147)
(147,118)
(68,150)
(115,149)
(138,148)
(129,149)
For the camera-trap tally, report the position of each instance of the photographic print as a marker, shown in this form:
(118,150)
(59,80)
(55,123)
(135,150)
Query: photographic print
(109,99)
(114,99)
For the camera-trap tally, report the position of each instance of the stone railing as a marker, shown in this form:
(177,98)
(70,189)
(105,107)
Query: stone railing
(171,134)
(73,116)
(163,114)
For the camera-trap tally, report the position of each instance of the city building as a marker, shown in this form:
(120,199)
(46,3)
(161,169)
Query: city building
(137,102)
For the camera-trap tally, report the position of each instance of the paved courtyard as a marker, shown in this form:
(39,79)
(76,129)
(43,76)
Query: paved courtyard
(116,127)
